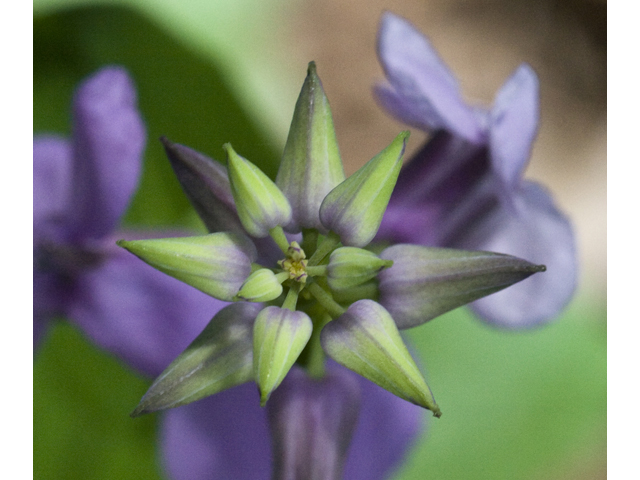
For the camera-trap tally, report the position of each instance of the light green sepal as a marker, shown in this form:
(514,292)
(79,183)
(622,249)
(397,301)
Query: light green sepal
(350,266)
(220,357)
(365,339)
(261,286)
(354,209)
(260,204)
(279,335)
(311,166)
(216,264)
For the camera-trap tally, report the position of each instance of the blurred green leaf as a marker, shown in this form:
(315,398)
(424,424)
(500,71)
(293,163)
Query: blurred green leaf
(180,95)
(516,405)
(528,404)
(81,426)
(232,34)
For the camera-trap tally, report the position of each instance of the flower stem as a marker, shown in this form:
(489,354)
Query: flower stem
(317,271)
(313,356)
(328,244)
(279,237)
(332,307)
(291,299)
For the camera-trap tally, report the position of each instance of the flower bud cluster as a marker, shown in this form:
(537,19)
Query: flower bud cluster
(328,294)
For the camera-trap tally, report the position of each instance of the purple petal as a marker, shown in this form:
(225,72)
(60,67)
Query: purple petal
(51,186)
(422,92)
(108,140)
(386,430)
(537,232)
(513,125)
(226,436)
(442,189)
(138,313)
(312,421)
(221,437)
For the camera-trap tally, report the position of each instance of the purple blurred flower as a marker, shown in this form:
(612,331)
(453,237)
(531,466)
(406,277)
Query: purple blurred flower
(195,437)
(81,188)
(464,188)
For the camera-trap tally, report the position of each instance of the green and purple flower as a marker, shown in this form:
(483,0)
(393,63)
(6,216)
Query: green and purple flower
(300,249)
(146,318)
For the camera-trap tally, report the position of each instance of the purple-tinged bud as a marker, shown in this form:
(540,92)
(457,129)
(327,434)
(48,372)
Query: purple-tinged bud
(354,209)
(260,204)
(206,184)
(219,358)
(216,264)
(279,336)
(365,339)
(312,422)
(425,282)
(311,166)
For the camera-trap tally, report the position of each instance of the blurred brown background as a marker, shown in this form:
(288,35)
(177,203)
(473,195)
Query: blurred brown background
(482,41)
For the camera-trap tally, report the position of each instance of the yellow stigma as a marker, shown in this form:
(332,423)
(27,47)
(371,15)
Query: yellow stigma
(295,263)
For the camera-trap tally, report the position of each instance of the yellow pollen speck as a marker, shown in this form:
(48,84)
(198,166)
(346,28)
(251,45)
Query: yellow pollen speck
(295,263)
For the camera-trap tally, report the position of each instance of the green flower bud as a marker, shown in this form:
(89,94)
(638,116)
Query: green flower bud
(279,336)
(311,166)
(260,203)
(354,208)
(220,357)
(365,339)
(261,286)
(350,266)
(424,282)
(216,264)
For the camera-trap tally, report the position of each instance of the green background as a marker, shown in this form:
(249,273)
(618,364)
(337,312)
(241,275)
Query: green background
(517,405)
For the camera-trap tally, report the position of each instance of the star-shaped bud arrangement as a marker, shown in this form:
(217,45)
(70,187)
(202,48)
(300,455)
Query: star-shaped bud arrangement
(326,293)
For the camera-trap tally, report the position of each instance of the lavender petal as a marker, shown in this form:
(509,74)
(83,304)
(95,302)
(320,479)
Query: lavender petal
(51,187)
(312,421)
(422,92)
(108,142)
(540,233)
(513,125)
(386,430)
(141,315)
(221,437)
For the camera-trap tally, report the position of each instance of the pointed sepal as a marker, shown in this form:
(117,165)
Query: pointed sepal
(216,264)
(219,358)
(311,166)
(365,339)
(354,209)
(261,286)
(351,266)
(260,204)
(206,184)
(425,282)
(279,336)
